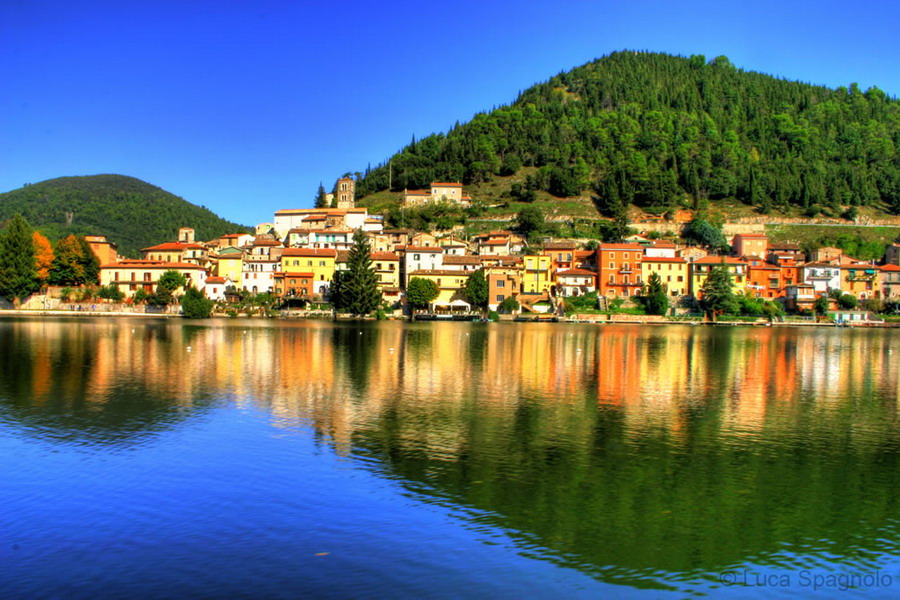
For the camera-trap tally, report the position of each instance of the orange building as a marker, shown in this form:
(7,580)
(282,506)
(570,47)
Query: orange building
(106,251)
(750,244)
(764,280)
(619,269)
(294,285)
(562,254)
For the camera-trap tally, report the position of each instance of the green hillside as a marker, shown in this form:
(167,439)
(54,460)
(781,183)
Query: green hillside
(659,131)
(129,212)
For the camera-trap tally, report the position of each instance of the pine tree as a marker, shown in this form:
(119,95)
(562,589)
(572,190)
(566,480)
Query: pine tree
(656,301)
(90,262)
(359,287)
(18,275)
(321,201)
(718,297)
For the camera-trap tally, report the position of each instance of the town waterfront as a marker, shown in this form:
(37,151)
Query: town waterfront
(251,458)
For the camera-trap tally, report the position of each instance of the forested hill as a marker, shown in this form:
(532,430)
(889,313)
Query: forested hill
(659,130)
(128,211)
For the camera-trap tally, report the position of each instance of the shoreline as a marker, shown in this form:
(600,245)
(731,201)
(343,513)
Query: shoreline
(635,320)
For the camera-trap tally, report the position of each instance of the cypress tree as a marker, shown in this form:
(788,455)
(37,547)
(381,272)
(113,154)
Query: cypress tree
(359,287)
(18,273)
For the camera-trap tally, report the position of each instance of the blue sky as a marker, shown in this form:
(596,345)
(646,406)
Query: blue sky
(245,106)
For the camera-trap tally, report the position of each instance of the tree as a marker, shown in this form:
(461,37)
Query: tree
(847,301)
(111,292)
(43,256)
(704,233)
(89,262)
(421,292)
(67,267)
(321,201)
(195,304)
(530,221)
(476,289)
(168,282)
(656,301)
(717,295)
(18,275)
(358,289)
(821,305)
(509,305)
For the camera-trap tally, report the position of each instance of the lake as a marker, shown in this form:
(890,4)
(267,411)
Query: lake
(272,459)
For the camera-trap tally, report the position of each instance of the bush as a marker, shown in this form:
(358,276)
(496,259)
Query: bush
(195,304)
(493,316)
(111,292)
(508,306)
(847,302)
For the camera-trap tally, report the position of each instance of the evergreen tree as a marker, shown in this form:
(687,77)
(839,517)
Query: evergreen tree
(421,292)
(321,201)
(476,289)
(18,275)
(359,287)
(90,262)
(195,304)
(67,267)
(717,295)
(656,301)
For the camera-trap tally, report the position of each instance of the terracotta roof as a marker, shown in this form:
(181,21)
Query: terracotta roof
(421,249)
(665,259)
(584,253)
(559,246)
(574,272)
(384,256)
(718,260)
(279,274)
(152,264)
(440,272)
(890,268)
(637,247)
(266,242)
(174,246)
(319,211)
(444,184)
(751,235)
(342,256)
(495,243)
(662,244)
(324,252)
(773,246)
(418,192)
(454,259)
(215,279)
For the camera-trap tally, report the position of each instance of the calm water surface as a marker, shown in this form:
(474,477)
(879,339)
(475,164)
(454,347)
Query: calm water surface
(152,459)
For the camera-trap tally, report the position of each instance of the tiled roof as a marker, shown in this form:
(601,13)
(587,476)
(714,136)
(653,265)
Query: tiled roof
(574,272)
(324,252)
(173,247)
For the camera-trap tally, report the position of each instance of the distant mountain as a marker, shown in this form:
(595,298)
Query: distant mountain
(660,131)
(129,212)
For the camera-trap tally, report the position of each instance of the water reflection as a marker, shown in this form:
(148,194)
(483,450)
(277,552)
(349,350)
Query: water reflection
(642,455)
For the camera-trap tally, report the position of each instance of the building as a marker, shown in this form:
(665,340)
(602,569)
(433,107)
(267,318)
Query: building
(562,254)
(750,244)
(503,282)
(417,258)
(387,269)
(215,287)
(451,284)
(660,249)
(575,282)
(318,261)
(672,271)
(537,274)
(345,192)
(824,277)
(297,285)
(861,279)
(187,252)
(230,263)
(619,269)
(890,280)
(764,279)
(468,264)
(701,268)
(131,275)
(800,297)
(438,192)
(107,252)
(321,218)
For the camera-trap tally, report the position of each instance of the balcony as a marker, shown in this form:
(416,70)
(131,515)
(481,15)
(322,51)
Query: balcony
(865,276)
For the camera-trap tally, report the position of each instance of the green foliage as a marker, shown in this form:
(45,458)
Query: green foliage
(18,271)
(718,297)
(89,262)
(321,200)
(704,233)
(530,222)
(656,301)
(111,292)
(821,305)
(493,315)
(356,289)
(847,301)
(421,292)
(508,306)
(654,130)
(67,267)
(140,296)
(476,289)
(170,281)
(195,304)
(128,211)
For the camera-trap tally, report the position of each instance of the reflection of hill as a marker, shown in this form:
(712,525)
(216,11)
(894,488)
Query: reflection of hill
(628,450)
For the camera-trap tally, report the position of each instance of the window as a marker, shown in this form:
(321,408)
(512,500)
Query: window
(116,276)
(501,283)
(612,265)
(416,257)
(612,278)
(500,297)
(612,255)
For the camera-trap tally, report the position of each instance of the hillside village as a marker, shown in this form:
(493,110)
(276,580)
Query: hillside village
(296,255)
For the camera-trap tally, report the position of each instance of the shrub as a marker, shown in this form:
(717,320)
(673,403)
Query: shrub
(195,304)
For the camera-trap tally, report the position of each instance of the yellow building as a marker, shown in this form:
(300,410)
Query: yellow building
(387,268)
(318,261)
(673,273)
(230,263)
(536,274)
(862,280)
(450,285)
(131,275)
(701,268)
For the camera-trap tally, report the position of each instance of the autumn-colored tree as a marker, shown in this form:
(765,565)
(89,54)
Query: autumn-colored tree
(67,267)
(43,256)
